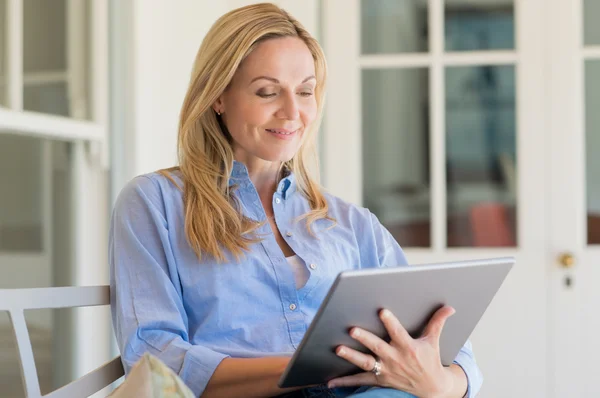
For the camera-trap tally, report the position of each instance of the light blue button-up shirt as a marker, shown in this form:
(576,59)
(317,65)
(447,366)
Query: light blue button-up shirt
(192,314)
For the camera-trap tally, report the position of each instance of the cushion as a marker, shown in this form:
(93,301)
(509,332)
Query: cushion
(151,378)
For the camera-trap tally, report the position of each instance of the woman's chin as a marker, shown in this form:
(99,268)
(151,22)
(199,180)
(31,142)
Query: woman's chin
(278,157)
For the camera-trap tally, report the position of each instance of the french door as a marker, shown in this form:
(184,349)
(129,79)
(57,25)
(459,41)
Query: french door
(470,128)
(573,159)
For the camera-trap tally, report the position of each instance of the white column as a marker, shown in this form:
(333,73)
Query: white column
(14,55)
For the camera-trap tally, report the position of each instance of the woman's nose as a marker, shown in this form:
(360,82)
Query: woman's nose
(289,107)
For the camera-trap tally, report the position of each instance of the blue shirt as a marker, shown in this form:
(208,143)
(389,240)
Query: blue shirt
(192,314)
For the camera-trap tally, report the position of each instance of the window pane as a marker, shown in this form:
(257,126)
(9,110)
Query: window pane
(3,77)
(52,84)
(592,102)
(591,10)
(49,98)
(479,25)
(44,36)
(21,205)
(481,153)
(396,152)
(393,26)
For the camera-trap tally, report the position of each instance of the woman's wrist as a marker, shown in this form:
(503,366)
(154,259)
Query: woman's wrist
(457,384)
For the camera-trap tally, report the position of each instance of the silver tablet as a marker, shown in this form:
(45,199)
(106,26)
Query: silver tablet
(412,293)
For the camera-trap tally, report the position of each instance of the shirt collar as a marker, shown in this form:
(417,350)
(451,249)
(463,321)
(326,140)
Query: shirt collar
(239,176)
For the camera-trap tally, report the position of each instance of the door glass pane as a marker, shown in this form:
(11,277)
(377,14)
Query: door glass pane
(591,10)
(396,152)
(393,26)
(592,119)
(55,66)
(481,156)
(3,77)
(479,25)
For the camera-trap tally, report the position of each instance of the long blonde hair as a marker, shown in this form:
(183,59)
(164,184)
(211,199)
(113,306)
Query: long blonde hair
(214,222)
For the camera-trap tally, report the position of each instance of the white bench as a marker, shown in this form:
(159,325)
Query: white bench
(16,301)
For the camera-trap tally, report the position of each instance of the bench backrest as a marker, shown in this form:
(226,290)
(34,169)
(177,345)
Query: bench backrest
(16,301)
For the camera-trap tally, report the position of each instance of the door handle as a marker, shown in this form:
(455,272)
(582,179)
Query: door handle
(566,260)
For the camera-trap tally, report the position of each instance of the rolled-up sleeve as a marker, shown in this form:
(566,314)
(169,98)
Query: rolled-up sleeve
(466,360)
(146,298)
(391,255)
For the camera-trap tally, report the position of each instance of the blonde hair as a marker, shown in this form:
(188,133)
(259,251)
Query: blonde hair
(214,222)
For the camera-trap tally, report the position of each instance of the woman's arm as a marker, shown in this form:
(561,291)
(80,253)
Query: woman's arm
(247,377)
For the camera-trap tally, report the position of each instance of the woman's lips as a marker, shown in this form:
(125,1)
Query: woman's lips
(282,133)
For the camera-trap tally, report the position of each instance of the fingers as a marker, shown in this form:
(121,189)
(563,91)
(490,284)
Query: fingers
(436,323)
(361,379)
(397,332)
(376,345)
(364,361)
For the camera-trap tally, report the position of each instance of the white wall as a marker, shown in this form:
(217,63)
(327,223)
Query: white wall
(167,36)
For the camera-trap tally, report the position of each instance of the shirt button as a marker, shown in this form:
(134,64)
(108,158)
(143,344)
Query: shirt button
(288,234)
(277,200)
(292,306)
(313,266)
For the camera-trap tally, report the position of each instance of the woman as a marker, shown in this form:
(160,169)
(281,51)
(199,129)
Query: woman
(219,265)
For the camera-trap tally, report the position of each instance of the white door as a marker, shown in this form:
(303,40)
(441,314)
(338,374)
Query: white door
(53,202)
(574,160)
(436,122)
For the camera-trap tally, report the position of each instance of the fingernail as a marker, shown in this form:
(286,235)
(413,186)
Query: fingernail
(385,313)
(330,385)
(355,333)
(341,351)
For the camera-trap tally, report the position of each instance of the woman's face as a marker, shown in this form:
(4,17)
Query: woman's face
(270,102)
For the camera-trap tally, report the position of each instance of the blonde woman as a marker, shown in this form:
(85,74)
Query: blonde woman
(219,265)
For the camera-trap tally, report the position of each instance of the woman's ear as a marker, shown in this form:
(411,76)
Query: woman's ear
(219,105)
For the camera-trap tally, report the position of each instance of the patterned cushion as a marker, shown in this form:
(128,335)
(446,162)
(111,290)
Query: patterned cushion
(151,378)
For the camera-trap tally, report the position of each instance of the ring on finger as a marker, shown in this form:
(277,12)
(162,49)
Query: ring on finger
(376,368)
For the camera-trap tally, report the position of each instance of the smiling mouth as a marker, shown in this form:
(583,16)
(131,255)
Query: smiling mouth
(281,132)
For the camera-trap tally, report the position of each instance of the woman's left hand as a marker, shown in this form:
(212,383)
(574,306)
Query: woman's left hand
(407,364)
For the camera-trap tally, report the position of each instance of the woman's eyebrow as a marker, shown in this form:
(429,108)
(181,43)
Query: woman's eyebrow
(272,79)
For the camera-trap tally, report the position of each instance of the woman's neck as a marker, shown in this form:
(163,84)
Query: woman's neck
(265,177)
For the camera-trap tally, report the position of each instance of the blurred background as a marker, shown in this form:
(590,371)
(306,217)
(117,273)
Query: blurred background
(469,127)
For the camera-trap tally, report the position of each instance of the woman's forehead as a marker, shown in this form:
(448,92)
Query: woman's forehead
(285,58)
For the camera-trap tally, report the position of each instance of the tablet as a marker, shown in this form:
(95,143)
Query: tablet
(412,293)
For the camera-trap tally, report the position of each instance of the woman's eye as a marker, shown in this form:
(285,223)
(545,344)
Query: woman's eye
(306,93)
(265,95)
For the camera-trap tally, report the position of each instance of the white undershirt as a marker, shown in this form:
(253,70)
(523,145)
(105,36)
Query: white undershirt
(300,271)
